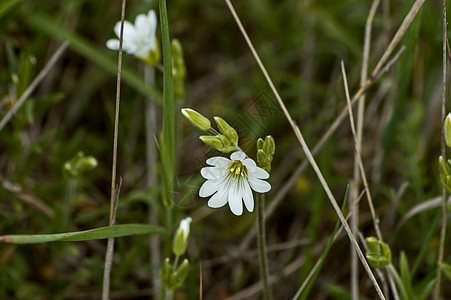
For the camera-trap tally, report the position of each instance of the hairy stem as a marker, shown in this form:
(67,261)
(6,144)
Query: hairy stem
(261,240)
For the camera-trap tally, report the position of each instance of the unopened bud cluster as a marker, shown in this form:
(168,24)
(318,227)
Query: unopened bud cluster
(173,275)
(78,165)
(378,254)
(445,165)
(226,140)
(265,151)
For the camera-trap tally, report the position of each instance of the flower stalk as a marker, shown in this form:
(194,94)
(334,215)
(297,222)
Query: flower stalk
(261,241)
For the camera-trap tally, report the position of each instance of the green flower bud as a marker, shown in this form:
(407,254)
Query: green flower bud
(260,144)
(219,142)
(261,157)
(166,273)
(181,237)
(265,151)
(227,130)
(178,69)
(213,141)
(79,164)
(178,66)
(445,172)
(269,145)
(196,119)
(178,277)
(378,254)
(447,130)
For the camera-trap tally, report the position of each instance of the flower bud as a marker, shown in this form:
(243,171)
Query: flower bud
(166,273)
(269,145)
(378,254)
(79,164)
(445,172)
(179,275)
(178,69)
(213,141)
(260,144)
(265,151)
(227,130)
(196,119)
(178,66)
(181,237)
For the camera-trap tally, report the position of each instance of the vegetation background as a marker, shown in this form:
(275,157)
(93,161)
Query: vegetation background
(301,43)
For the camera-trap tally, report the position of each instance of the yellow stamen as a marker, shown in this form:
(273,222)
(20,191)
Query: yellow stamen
(237,169)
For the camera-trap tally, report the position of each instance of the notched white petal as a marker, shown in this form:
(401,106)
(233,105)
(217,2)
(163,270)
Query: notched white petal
(238,155)
(248,197)
(260,173)
(250,165)
(218,161)
(218,200)
(208,188)
(260,186)
(235,202)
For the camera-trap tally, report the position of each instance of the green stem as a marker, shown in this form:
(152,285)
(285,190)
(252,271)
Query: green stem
(398,280)
(168,294)
(261,239)
(71,187)
(151,176)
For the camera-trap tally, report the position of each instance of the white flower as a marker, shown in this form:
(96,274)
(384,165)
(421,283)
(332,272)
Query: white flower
(184,228)
(231,180)
(139,39)
(181,237)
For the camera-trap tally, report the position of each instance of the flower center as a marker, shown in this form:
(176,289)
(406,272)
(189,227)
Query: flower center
(237,169)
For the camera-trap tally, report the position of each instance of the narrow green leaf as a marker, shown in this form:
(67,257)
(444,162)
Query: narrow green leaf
(86,235)
(446,268)
(168,153)
(6,6)
(305,293)
(46,24)
(405,275)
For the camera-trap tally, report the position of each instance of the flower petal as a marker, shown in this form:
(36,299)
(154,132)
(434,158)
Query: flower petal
(238,155)
(235,202)
(250,164)
(258,185)
(208,188)
(261,173)
(218,200)
(247,196)
(142,25)
(218,161)
(129,42)
(113,44)
(212,172)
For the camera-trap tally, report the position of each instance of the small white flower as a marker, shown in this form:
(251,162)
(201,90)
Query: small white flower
(181,237)
(231,180)
(139,39)
(184,228)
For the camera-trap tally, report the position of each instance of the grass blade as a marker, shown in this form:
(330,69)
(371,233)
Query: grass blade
(168,146)
(85,235)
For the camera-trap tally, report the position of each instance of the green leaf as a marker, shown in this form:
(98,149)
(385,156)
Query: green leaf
(168,146)
(446,268)
(86,235)
(405,275)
